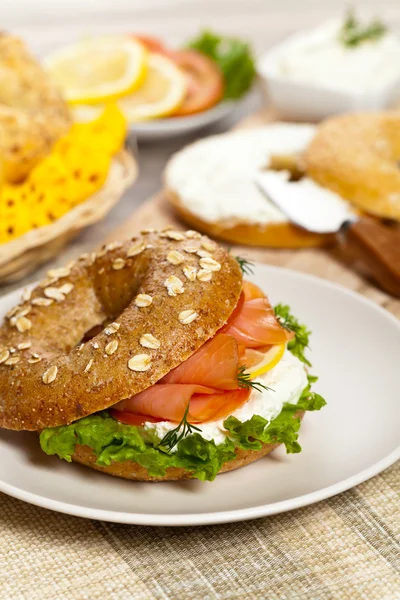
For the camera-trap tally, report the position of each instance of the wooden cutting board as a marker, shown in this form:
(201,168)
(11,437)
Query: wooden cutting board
(325,263)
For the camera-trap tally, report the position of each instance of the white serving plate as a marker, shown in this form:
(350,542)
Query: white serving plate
(355,349)
(304,101)
(158,129)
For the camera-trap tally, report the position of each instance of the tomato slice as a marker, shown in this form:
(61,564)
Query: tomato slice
(152,44)
(131,419)
(205,81)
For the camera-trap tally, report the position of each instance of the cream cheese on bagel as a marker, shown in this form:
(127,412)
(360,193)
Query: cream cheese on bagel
(214,177)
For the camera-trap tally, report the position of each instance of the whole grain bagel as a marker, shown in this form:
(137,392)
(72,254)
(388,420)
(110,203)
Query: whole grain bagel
(135,472)
(155,308)
(357,156)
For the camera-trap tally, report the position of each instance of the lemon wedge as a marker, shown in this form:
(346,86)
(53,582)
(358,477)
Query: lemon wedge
(98,69)
(162,92)
(259,363)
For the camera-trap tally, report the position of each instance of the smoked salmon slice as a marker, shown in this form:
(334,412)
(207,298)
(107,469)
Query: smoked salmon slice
(168,401)
(214,365)
(207,381)
(255,323)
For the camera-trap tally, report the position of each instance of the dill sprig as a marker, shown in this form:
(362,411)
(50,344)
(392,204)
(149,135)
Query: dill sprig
(353,33)
(244,381)
(173,437)
(245,265)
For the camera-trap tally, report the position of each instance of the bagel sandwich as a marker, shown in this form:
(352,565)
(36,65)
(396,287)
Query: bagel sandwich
(153,360)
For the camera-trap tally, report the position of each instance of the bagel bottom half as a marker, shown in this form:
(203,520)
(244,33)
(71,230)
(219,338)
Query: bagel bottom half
(272,235)
(133,471)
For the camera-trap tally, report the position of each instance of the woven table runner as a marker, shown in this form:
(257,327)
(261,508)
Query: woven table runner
(346,548)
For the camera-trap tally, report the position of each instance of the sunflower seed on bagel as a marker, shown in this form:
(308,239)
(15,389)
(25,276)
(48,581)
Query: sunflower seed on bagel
(63,379)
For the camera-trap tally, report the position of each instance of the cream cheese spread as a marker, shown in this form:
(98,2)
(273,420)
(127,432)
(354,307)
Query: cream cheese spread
(320,58)
(286,381)
(214,178)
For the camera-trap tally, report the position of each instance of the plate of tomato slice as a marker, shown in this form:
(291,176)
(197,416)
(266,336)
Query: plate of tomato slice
(211,92)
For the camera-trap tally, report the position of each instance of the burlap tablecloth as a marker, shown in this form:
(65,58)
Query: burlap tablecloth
(347,547)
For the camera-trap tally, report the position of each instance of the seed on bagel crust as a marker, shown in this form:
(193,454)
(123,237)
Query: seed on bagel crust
(139,362)
(209,264)
(12,311)
(26,295)
(59,273)
(174,285)
(187,316)
(88,366)
(23,324)
(42,301)
(54,294)
(208,245)
(143,300)
(12,349)
(190,272)
(149,341)
(175,258)
(111,347)
(50,375)
(83,256)
(204,275)
(24,345)
(13,360)
(118,264)
(112,246)
(192,234)
(23,312)
(101,271)
(173,235)
(34,359)
(92,258)
(4,355)
(112,328)
(148,230)
(191,249)
(136,249)
(95,345)
(203,254)
(47,282)
(66,288)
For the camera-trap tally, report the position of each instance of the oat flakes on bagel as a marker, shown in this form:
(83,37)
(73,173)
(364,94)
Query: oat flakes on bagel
(139,287)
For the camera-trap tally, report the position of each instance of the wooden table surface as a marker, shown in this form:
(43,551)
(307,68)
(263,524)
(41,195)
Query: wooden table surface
(47,24)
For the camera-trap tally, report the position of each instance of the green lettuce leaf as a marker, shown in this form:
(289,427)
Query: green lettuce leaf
(112,441)
(233,56)
(299,343)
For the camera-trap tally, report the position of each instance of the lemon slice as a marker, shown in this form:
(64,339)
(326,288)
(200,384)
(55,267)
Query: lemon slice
(266,362)
(98,69)
(162,92)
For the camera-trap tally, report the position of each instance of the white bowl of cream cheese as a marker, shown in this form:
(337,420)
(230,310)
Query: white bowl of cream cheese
(313,74)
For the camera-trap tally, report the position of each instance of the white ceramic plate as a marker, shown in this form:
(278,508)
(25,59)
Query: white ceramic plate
(355,350)
(158,129)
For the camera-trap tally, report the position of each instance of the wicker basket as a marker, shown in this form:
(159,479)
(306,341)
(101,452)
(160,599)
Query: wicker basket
(26,253)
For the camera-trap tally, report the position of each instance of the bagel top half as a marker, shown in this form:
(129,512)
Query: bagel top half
(161,296)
